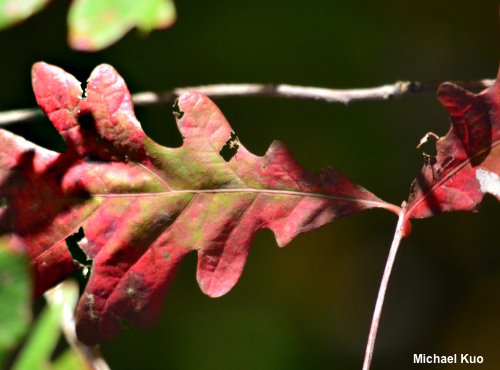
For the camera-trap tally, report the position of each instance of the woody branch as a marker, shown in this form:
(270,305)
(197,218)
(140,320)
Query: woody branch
(400,89)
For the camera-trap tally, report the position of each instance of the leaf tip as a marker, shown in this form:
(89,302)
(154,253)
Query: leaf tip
(453,96)
(448,88)
(103,71)
(188,98)
(213,288)
(38,65)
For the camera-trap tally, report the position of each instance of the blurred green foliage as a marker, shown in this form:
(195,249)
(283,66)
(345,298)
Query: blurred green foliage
(37,350)
(309,305)
(96,24)
(15,298)
(14,11)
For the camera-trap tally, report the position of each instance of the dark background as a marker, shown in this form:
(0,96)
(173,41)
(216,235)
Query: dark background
(309,306)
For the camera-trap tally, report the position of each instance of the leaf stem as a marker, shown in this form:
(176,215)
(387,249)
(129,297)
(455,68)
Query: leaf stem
(398,235)
(397,90)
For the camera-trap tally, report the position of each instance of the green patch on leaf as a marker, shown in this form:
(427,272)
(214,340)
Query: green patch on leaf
(96,24)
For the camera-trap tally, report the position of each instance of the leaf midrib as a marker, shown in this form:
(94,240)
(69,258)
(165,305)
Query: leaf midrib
(380,204)
(449,176)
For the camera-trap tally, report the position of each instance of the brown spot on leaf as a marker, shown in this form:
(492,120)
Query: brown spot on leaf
(166,255)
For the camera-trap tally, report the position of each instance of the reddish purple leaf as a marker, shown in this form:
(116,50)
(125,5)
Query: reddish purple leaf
(143,207)
(467,163)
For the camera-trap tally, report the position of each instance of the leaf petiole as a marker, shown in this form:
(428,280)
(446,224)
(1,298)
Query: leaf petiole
(398,235)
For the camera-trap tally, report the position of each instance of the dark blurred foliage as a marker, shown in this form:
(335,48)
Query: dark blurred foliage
(309,305)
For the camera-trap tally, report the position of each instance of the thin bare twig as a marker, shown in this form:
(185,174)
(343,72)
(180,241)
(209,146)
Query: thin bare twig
(398,235)
(20,116)
(396,91)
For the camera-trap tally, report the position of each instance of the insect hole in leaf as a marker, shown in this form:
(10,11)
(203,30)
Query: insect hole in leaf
(74,248)
(230,148)
(177,110)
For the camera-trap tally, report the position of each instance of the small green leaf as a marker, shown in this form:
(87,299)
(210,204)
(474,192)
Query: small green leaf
(96,24)
(15,298)
(14,11)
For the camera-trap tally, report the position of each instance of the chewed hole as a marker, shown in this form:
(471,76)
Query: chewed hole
(177,110)
(230,148)
(84,89)
(428,144)
(429,148)
(74,248)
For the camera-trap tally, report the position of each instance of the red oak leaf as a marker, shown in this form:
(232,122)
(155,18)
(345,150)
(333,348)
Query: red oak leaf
(467,163)
(143,207)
